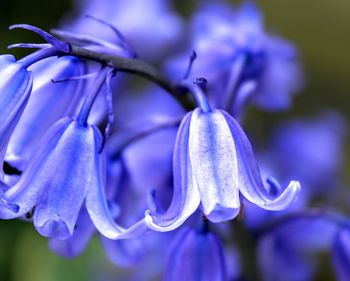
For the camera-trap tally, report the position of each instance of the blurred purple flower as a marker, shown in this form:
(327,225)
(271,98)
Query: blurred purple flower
(195,255)
(150,26)
(241,62)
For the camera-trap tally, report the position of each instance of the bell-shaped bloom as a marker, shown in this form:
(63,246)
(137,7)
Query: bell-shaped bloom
(48,103)
(195,255)
(287,251)
(213,163)
(242,63)
(64,171)
(15,87)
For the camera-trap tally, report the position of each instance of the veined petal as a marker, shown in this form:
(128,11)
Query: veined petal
(249,179)
(214,165)
(65,175)
(96,203)
(27,191)
(186,196)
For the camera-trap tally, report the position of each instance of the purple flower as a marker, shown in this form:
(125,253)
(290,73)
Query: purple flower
(150,26)
(65,170)
(195,255)
(296,147)
(241,62)
(213,163)
(285,252)
(15,87)
(48,103)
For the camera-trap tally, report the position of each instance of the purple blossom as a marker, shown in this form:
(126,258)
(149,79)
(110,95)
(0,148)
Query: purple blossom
(213,162)
(242,63)
(15,87)
(65,170)
(196,255)
(48,103)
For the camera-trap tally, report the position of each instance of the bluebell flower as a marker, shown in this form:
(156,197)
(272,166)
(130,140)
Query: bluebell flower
(195,255)
(286,251)
(48,103)
(15,87)
(213,163)
(151,27)
(296,146)
(65,170)
(242,63)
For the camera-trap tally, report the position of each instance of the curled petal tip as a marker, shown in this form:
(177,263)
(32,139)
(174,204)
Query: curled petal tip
(12,207)
(55,228)
(285,199)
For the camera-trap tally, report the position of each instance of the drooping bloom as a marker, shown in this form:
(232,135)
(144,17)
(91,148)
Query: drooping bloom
(195,255)
(65,170)
(48,103)
(15,87)
(213,163)
(242,63)
(287,252)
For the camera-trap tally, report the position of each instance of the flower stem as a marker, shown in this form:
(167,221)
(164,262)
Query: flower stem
(92,95)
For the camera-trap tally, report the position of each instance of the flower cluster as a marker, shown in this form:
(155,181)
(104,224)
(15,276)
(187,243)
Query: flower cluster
(85,152)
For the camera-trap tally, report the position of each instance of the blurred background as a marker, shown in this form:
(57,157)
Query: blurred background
(319,28)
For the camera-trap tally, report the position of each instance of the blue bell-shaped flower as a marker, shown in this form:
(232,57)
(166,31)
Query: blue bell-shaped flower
(64,171)
(15,87)
(48,103)
(196,255)
(213,163)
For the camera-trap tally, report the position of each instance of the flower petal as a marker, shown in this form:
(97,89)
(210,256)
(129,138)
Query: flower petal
(27,191)
(250,182)
(65,175)
(15,87)
(186,196)
(214,164)
(196,256)
(75,244)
